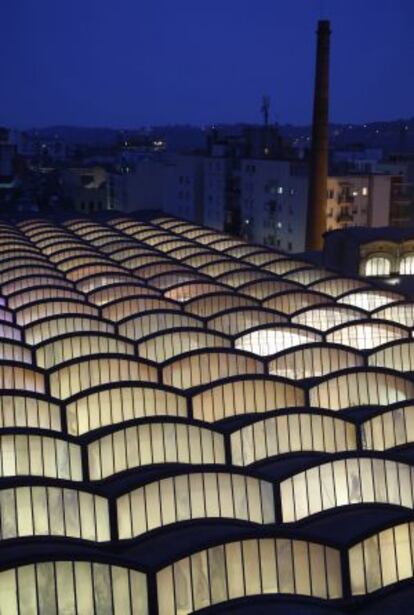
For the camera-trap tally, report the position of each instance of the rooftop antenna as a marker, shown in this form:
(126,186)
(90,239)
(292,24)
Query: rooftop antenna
(403,137)
(265,109)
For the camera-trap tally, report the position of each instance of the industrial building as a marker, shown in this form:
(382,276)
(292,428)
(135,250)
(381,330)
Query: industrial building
(189,421)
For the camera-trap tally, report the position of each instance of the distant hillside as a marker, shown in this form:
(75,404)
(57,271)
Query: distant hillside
(396,136)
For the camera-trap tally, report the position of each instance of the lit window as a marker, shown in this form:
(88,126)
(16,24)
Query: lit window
(365,191)
(280,190)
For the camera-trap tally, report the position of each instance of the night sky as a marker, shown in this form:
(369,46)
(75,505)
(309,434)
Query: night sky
(128,63)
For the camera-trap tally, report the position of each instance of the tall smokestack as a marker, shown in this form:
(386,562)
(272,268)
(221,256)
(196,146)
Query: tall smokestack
(316,221)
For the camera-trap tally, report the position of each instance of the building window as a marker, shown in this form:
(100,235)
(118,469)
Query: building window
(364,191)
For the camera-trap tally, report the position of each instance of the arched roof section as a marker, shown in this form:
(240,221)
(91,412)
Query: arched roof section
(69,379)
(199,495)
(97,281)
(6,315)
(130,226)
(382,559)
(115,292)
(398,355)
(120,403)
(46,230)
(146,234)
(41,294)
(137,327)
(337,286)
(10,247)
(183,253)
(248,395)
(190,290)
(212,304)
(98,236)
(283,266)
(224,244)
(100,241)
(32,281)
(218,268)
(70,264)
(370,300)
(346,482)
(203,236)
(120,248)
(186,228)
(25,455)
(53,511)
(265,341)
(99,267)
(29,411)
(242,250)
(390,429)
(42,309)
(64,256)
(367,334)
(246,569)
(262,289)
(10,332)
(70,346)
(238,320)
(19,377)
(168,223)
(184,444)
(14,350)
(175,342)
(260,258)
(13,273)
(154,268)
(123,308)
(202,258)
(202,367)
(401,313)
(172,243)
(299,433)
(64,324)
(240,277)
(9,261)
(176,277)
(324,318)
(30,224)
(367,387)
(291,301)
(314,361)
(308,276)
(56,246)
(141,258)
(157,239)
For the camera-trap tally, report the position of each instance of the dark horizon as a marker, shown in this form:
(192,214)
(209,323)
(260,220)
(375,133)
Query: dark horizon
(94,64)
(173,124)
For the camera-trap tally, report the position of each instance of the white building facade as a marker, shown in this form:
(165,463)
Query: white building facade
(273,197)
(358,200)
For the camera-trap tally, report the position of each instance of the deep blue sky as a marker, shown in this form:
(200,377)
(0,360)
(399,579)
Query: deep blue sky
(126,63)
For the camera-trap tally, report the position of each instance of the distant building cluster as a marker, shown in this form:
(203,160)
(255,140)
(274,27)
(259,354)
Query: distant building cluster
(250,182)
